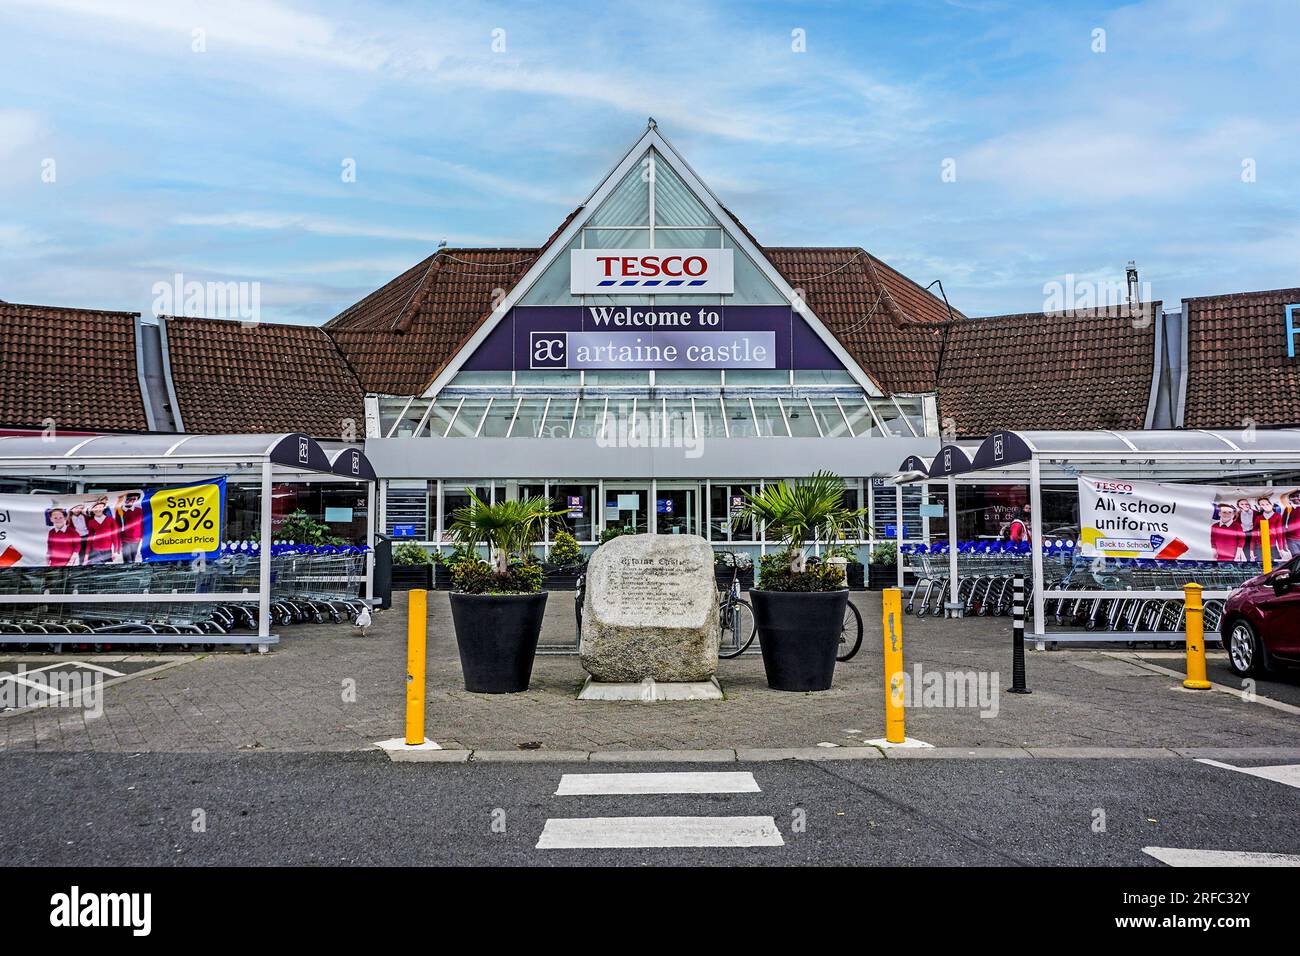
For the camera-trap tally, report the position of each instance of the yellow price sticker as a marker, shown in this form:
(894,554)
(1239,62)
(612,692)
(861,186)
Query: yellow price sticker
(185,520)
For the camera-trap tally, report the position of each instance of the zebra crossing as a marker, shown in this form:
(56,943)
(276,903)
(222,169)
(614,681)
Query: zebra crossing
(657,832)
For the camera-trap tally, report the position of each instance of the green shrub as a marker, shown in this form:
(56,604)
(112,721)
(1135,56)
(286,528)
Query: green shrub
(609,534)
(775,575)
(301,528)
(886,554)
(476,576)
(409,553)
(565,552)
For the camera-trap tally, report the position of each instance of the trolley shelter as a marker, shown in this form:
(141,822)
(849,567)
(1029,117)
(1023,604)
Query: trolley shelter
(1076,595)
(251,470)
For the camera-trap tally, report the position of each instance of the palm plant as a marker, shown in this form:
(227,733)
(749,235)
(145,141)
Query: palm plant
(801,512)
(507,527)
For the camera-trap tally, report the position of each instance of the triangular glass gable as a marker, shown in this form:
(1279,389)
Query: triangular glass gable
(681,222)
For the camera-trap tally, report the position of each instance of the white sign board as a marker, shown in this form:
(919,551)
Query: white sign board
(647,271)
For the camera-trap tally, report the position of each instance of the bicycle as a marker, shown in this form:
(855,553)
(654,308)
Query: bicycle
(850,630)
(736,618)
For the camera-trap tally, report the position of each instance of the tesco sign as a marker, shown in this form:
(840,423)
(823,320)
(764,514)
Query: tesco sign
(643,271)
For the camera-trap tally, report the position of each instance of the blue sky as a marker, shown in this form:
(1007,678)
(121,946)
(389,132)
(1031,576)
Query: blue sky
(225,164)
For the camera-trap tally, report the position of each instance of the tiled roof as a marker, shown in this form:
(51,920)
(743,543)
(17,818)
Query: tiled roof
(888,323)
(76,367)
(1089,369)
(1237,366)
(232,377)
(399,337)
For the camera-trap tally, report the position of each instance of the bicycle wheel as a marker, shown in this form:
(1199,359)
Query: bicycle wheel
(850,633)
(738,629)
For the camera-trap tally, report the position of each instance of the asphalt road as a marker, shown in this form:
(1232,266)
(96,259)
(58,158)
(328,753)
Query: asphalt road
(343,809)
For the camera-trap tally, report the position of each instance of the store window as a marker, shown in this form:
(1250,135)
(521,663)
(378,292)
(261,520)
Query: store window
(579,501)
(454,496)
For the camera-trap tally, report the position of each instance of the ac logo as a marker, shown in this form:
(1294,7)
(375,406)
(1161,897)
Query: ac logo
(304,450)
(548,350)
(998,452)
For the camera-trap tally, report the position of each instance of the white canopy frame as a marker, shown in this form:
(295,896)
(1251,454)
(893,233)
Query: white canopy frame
(1178,455)
(158,458)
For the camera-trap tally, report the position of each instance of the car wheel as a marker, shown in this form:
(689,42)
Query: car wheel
(1244,653)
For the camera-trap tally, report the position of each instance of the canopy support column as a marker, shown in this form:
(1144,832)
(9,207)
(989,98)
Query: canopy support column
(370,540)
(954,609)
(1036,542)
(264,558)
(898,534)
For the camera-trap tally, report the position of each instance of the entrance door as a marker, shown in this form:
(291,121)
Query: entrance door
(626,506)
(677,508)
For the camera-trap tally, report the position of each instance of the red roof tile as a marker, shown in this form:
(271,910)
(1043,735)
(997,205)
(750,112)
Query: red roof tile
(398,338)
(1085,370)
(1238,371)
(233,377)
(74,367)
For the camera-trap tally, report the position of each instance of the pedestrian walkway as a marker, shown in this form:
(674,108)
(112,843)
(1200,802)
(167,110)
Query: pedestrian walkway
(657,832)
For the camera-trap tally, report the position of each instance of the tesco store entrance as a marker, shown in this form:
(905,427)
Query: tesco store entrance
(648,369)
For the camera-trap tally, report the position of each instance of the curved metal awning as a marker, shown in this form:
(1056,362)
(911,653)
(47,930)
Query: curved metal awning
(352,463)
(288,449)
(1168,445)
(951,460)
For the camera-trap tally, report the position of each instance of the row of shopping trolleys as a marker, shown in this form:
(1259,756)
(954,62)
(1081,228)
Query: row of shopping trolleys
(986,575)
(309,583)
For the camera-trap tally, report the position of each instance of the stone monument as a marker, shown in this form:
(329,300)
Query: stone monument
(650,619)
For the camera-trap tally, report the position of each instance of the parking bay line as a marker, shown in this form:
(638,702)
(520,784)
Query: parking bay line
(1176,856)
(595,833)
(1288,774)
(616,784)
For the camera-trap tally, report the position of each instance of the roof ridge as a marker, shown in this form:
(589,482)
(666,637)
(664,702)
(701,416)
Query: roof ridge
(6,306)
(402,324)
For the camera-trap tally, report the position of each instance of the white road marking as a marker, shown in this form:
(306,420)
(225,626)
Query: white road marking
(34,685)
(600,784)
(96,667)
(1288,774)
(593,833)
(1174,856)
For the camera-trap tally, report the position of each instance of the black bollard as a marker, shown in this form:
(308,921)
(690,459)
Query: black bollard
(1018,640)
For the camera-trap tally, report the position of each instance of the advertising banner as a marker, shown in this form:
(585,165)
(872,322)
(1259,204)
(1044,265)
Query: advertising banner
(1147,519)
(174,523)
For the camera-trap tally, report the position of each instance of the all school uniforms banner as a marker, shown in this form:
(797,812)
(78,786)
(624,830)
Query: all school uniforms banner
(1147,519)
(173,523)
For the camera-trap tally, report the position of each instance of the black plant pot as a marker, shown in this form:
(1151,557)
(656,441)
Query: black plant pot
(561,579)
(497,638)
(799,632)
(409,576)
(881,576)
(856,576)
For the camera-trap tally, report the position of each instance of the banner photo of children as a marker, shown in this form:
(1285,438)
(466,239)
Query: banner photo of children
(1145,519)
(105,527)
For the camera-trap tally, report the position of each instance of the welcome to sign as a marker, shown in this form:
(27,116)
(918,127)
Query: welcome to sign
(652,337)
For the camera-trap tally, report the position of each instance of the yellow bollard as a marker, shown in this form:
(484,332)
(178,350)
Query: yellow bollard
(417,622)
(1195,615)
(1265,545)
(891,617)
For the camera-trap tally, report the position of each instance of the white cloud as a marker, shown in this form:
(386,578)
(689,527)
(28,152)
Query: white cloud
(19,129)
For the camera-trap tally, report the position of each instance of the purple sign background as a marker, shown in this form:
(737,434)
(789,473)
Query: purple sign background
(507,346)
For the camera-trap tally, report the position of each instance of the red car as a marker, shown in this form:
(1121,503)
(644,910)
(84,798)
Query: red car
(1261,621)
